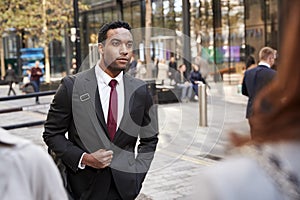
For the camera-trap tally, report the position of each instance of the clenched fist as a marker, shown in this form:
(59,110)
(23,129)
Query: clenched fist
(98,159)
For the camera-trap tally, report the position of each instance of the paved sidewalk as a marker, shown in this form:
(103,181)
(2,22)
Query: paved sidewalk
(184,148)
(180,158)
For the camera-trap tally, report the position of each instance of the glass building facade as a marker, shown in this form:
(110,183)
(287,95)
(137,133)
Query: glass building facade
(222,31)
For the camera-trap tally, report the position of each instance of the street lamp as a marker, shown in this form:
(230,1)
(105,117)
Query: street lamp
(76,32)
(73,34)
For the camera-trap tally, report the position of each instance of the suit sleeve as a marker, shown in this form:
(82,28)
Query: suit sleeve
(58,123)
(148,138)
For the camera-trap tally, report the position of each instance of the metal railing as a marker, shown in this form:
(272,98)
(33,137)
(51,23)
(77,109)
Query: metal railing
(23,108)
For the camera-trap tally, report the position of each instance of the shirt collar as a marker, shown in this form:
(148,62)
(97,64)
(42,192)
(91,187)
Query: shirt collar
(104,77)
(264,63)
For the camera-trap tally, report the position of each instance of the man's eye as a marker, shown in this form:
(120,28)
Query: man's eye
(115,43)
(129,45)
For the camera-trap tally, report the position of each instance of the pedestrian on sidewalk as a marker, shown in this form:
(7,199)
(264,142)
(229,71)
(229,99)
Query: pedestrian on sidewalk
(35,75)
(258,77)
(105,111)
(266,166)
(172,68)
(27,171)
(11,78)
(163,70)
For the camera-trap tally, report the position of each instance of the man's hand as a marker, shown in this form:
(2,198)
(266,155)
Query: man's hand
(98,159)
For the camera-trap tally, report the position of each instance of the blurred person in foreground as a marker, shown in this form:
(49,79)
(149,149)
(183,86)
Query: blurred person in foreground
(27,172)
(265,167)
(111,123)
(257,78)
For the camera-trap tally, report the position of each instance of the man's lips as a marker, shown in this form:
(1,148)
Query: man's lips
(123,60)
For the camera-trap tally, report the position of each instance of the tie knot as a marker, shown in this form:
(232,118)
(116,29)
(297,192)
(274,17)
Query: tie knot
(113,83)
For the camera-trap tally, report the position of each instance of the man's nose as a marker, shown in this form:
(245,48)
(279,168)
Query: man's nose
(124,49)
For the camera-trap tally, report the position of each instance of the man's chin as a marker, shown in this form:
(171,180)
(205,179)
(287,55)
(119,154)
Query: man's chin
(120,68)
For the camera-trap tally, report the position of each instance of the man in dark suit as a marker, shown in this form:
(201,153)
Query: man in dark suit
(257,78)
(101,163)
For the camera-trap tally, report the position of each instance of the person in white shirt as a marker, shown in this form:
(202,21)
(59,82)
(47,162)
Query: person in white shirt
(27,172)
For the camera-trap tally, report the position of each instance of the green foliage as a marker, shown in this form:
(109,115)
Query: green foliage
(44,19)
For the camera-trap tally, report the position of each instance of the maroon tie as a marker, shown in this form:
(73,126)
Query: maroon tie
(112,110)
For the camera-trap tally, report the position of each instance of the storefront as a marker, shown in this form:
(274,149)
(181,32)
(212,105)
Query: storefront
(222,31)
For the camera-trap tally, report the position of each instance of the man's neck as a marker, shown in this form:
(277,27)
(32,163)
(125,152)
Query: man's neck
(264,63)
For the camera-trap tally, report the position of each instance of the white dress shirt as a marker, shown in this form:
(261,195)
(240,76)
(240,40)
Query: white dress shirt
(264,63)
(103,80)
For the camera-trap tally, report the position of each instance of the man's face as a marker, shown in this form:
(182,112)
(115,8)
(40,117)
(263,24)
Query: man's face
(116,51)
(37,63)
(271,60)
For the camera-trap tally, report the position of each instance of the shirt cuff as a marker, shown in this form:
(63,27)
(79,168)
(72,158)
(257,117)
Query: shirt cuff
(80,165)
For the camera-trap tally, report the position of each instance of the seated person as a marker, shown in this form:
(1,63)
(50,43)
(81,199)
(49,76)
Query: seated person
(183,84)
(196,78)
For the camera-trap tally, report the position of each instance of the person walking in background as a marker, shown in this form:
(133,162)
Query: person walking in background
(104,111)
(183,84)
(132,66)
(172,68)
(155,63)
(10,77)
(258,77)
(196,78)
(141,70)
(265,167)
(27,171)
(35,75)
(163,70)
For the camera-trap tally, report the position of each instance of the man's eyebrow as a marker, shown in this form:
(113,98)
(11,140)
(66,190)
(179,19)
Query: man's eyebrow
(119,40)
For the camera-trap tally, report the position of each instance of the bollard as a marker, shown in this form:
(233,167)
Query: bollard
(202,98)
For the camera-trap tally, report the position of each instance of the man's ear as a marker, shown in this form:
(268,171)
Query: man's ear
(100,48)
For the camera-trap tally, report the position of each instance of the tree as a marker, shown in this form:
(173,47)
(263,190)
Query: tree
(148,35)
(43,19)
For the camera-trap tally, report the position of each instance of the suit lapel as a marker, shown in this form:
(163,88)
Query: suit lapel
(92,86)
(88,113)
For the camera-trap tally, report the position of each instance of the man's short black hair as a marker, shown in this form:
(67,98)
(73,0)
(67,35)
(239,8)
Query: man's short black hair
(102,35)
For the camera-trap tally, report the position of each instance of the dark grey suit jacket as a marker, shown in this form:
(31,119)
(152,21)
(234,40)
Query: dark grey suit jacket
(254,80)
(76,109)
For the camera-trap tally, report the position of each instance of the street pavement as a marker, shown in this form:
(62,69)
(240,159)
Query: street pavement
(184,149)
